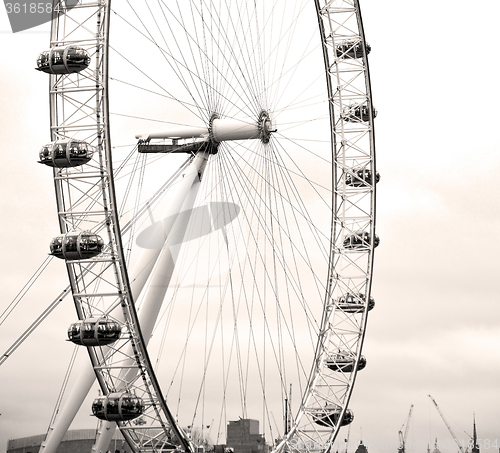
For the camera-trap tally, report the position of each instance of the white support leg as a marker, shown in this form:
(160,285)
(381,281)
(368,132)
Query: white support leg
(153,294)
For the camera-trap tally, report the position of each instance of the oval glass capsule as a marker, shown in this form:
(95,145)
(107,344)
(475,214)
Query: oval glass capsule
(358,113)
(76,245)
(118,407)
(360,240)
(344,362)
(354,303)
(94,332)
(63,60)
(361,177)
(329,416)
(66,153)
(351,49)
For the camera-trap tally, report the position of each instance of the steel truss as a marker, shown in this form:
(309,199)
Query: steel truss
(86,200)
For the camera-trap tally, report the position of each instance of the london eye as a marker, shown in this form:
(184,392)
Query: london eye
(215,179)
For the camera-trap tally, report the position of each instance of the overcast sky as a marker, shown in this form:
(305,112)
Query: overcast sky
(436,326)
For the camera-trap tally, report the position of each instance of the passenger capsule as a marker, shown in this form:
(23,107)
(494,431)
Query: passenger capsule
(63,60)
(344,362)
(361,177)
(360,240)
(118,407)
(76,245)
(356,113)
(329,416)
(66,153)
(351,49)
(94,332)
(354,303)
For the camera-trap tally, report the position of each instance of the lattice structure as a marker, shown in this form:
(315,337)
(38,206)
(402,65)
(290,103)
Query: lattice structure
(86,202)
(91,235)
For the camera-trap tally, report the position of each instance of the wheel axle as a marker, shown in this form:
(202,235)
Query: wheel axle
(220,130)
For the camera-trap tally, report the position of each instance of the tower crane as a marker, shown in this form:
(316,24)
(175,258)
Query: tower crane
(347,439)
(403,437)
(447,425)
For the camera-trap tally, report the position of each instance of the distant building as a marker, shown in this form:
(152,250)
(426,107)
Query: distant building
(361,448)
(475,446)
(74,441)
(436,449)
(221,449)
(243,436)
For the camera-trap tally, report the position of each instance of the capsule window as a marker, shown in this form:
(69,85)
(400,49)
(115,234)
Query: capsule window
(66,153)
(88,331)
(98,406)
(73,330)
(77,56)
(45,153)
(63,60)
(118,407)
(57,56)
(59,151)
(78,149)
(359,177)
(56,245)
(113,408)
(76,245)
(71,244)
(93,332)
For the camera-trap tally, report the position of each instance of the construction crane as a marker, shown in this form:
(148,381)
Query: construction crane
(447,425)
(403,437)
(347,439)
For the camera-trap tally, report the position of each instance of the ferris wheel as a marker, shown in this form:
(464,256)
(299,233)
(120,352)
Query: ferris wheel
(214,167)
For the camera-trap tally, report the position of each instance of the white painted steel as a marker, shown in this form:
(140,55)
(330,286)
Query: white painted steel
(222,130)
(303,158)
(226,130)
(178,133)
(153,292)
(181,198)
(81,195)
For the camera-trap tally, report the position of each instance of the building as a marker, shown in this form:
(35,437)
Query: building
(243,436)
(361,448)
(74,441)
(475,446)
(436,449)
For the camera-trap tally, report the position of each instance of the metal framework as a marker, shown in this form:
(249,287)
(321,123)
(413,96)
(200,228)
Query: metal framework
(350,274)
(86,201)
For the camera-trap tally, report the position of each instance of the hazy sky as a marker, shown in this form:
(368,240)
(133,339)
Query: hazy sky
(436,325)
